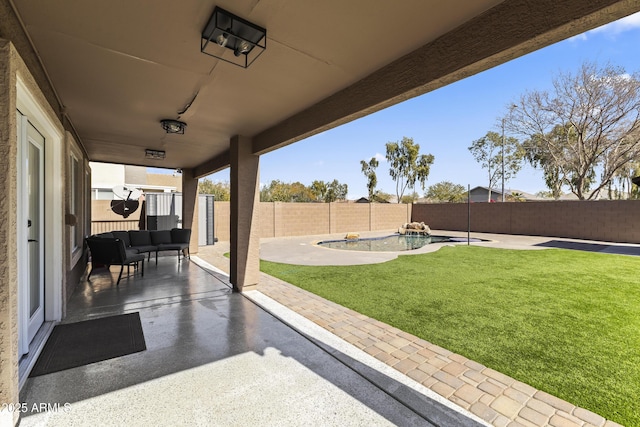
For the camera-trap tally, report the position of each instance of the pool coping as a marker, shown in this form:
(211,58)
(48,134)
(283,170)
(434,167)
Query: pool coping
(304,250)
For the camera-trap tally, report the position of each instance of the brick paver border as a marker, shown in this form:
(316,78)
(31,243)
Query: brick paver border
(494,397)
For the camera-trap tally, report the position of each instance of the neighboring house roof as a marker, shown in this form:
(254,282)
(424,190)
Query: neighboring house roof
(524,194)
(365,200)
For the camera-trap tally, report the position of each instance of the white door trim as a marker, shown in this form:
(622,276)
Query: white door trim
(28,105)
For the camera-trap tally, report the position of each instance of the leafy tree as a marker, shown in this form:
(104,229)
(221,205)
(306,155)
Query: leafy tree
(336,191)
(585,130)
(381,197)
(301,193)
(446,191)
(369,171)
(407,166)
(410,198)
(488,151)
(220,190)
(546,194)
(278,191)
(538,157)
(622,185)
(318,189)
(516,197)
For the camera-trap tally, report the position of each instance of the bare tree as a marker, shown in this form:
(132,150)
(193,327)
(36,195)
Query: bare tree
(499,156)
(585,130)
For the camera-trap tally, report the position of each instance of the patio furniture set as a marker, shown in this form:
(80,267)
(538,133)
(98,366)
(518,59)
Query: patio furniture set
(129,247)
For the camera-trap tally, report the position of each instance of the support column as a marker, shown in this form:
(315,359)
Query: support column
(190,207)
(245,197)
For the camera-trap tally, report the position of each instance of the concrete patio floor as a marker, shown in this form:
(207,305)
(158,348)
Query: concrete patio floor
(215,357)
(490,395)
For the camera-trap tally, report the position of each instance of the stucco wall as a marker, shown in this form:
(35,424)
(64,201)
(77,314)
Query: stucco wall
(303,219)
(60,270)
(606,220)
(8,224)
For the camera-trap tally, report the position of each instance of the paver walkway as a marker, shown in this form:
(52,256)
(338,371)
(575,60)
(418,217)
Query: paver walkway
(496,398)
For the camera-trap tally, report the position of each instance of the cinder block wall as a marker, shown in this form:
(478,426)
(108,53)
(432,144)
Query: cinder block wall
(305,219)
(606,220)
(295,219)
(389,216)
(350,217)
(104,219)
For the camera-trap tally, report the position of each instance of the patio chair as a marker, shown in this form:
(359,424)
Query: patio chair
(111,251)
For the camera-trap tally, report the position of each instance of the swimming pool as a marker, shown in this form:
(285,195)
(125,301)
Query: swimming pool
(393,243)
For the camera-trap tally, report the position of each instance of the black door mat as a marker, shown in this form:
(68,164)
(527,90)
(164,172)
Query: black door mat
(78,344)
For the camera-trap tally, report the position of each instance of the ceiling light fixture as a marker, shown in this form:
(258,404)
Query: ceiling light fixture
(154,154)
(247,41)
(173,126)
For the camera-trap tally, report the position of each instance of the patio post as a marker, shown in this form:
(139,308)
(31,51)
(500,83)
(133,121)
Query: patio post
(190,207)
(245,198)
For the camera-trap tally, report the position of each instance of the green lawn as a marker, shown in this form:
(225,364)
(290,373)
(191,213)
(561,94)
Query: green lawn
(566,322)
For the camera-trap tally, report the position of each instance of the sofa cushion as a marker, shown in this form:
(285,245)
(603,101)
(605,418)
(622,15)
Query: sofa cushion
(140,238)
(172,246)
(159,237)
(107,235)
(122,235)
(131,252)
(180,235)
(145,248)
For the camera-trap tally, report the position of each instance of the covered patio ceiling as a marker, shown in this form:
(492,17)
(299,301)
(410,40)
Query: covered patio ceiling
(118,67)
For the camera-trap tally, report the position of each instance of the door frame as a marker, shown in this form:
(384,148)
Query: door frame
(25,287)
(29,105)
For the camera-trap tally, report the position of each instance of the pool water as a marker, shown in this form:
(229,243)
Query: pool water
(391,243)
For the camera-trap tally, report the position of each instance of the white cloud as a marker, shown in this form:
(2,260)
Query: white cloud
(381,158)
(614,28)
(579,38)
(627,23)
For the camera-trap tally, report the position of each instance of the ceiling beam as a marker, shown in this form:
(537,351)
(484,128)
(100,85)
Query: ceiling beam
(509,30)
(213,165)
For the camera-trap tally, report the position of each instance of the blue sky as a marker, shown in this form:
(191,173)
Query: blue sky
(446,121)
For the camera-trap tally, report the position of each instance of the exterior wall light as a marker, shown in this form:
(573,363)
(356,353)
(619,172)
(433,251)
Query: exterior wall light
(247,41)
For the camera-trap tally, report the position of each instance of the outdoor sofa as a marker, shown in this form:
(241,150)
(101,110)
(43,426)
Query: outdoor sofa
(150,241)
(129,247)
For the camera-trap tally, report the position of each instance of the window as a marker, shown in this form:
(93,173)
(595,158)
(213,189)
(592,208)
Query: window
(76,197)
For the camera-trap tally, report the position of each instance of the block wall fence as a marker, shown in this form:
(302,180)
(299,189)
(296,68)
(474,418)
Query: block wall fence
(606,220)
(301,219)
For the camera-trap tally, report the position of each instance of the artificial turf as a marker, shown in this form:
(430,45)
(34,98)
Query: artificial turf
(566,322)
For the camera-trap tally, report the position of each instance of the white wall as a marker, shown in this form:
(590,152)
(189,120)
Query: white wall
(106,175)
